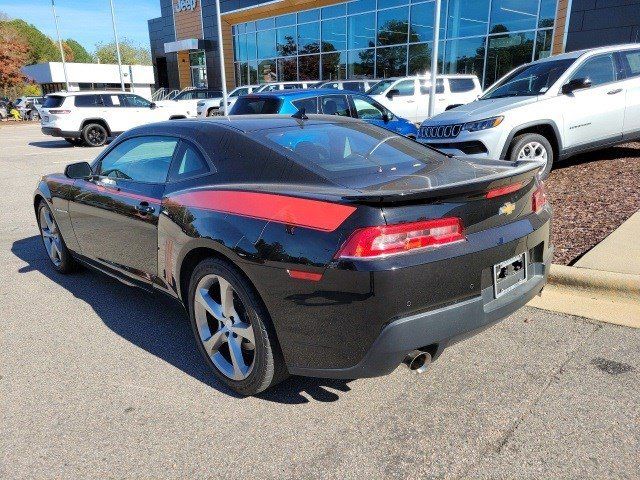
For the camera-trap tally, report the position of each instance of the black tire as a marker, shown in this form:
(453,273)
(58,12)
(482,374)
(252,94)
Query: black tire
(210,112)
(66,263)
(268,368)
(34,115)
(521,141)
(94,135)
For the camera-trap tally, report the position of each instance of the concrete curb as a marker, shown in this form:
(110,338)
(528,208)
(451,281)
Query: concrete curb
(604,296)
(622,285)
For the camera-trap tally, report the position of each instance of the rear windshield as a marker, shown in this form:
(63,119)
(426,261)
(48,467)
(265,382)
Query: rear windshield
(352,154)
(249,105)
(53,101)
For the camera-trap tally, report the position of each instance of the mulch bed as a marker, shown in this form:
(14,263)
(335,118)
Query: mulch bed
(592,194)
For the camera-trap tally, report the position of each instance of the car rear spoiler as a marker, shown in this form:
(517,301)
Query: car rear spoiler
(522,171)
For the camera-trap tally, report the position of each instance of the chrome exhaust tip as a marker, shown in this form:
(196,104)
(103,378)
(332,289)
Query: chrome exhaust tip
(417,361)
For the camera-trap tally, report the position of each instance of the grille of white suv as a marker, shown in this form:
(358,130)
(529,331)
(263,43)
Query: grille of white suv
(441,131)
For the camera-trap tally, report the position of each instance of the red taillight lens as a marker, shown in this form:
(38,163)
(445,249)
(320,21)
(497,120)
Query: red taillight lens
(497,192)
(59,112)
(539,198)
(372,242)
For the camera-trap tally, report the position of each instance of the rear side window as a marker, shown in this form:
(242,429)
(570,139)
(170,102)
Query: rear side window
(249,105)
(188,163)
(353,86)
(426,89)
(335,105)
(459,85)
(310,105)
(631,62)
(214,94)
(53,101)
(291,86)
(88,101)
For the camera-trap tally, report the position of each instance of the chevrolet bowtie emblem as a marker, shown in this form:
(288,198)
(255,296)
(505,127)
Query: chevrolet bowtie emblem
(507,208)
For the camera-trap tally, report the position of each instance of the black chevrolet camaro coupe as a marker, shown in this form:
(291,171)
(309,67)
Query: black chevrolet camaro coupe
(321,246)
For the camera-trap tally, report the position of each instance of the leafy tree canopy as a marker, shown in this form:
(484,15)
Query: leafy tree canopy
(131,53)
(80,54)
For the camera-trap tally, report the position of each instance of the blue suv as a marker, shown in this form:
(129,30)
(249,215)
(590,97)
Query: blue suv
(324,101)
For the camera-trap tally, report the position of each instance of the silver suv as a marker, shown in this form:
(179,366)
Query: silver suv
(548,110)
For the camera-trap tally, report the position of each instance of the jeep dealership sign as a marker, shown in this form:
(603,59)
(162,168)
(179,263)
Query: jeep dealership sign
(182,5)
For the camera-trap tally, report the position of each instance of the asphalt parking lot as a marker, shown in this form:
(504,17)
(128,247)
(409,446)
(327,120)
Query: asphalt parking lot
(102,381)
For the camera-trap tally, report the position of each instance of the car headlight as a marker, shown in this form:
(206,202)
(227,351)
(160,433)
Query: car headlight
(482,124)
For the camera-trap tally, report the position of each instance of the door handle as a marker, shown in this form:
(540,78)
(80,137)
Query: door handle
(613,92)
(144,208)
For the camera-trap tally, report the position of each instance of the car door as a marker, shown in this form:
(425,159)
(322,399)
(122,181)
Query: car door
(423,99)
(115,113)
(630,60)
(595,114)
(403,103)
(115,215)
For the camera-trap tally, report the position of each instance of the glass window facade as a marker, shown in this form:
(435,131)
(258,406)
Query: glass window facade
(385,38)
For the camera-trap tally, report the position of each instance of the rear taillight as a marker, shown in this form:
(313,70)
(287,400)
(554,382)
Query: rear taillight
(539,198)
(59,112)
(498,192)
(371,242)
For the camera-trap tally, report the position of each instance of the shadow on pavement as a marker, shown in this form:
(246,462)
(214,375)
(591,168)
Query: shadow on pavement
(610,153)
(51,144)
(158,325)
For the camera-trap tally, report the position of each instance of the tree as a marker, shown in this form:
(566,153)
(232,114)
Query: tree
(41,47)
(13,54)
(80,54)
(130,52)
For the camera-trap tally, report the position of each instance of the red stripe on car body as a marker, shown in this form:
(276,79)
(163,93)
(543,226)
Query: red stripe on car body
(301,212)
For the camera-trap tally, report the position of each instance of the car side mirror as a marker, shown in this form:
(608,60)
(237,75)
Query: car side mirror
(152,105)
(575,84)
(78,170)
(392,93)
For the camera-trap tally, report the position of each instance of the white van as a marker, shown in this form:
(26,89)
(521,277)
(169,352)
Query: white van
(408,97)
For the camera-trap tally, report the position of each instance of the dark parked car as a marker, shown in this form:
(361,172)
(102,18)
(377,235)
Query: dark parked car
(320,247)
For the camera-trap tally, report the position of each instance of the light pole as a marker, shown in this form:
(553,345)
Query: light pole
(64,63)
(434,57)
(115,36)
(223,77)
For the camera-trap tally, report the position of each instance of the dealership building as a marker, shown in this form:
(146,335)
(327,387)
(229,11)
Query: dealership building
(288,40)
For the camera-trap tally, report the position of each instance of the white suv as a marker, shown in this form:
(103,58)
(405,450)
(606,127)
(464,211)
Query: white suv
(408,97)
(213,106)
(548,110)
(91,117)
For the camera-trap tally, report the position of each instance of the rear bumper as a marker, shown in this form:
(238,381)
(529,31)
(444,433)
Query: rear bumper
(441,327)
(57,132)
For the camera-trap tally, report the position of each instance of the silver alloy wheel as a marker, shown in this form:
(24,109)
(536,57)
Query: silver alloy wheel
(534,151)
(51,236)
(225,332)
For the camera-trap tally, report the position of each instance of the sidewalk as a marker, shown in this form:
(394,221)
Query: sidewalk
(604,284)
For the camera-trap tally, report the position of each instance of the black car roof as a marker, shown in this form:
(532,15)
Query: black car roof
(240,123)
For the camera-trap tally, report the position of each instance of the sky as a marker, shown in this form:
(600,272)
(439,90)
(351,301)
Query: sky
(87,21)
